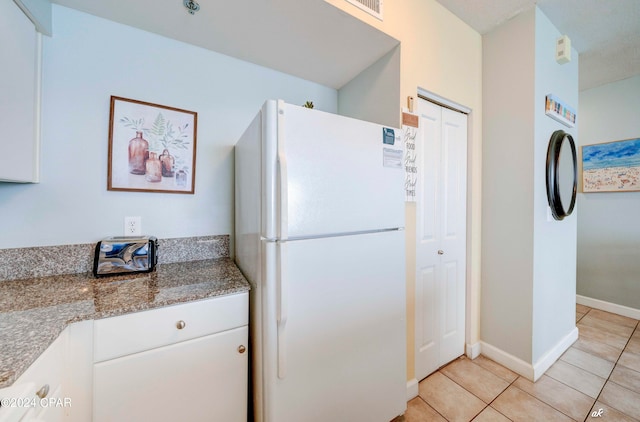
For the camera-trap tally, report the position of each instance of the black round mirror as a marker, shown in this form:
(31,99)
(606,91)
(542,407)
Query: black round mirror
(562,174)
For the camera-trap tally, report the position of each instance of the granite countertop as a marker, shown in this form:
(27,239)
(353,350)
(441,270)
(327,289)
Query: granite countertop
(34,311)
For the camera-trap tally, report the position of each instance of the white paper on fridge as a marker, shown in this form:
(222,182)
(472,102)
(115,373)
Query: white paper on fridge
(392,158)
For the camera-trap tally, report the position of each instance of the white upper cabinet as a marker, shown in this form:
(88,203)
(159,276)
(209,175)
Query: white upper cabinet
(20,87)
(39,11)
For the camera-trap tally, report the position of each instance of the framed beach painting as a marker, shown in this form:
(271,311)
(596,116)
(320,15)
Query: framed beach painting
(152,148)
(611,167)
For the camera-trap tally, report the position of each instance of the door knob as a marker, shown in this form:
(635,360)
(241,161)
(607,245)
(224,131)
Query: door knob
(440,252)
(241,349)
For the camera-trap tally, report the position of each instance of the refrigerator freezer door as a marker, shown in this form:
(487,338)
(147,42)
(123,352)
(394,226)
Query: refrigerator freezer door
(334,175)
(334,338)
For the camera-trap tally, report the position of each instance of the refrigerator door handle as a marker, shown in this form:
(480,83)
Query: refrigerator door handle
(282,173)
(282,315)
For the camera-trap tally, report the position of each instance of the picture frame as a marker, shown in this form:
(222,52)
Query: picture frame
(611,166)
(559,111)
(152,147)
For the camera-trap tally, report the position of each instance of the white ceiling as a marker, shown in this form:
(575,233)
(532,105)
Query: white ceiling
(606,33)
(292,35)
(287,35)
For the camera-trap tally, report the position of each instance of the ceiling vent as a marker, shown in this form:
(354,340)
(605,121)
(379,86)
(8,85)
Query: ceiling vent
(373,7)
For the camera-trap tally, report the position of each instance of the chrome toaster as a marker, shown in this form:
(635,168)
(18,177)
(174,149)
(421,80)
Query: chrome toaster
(127,254)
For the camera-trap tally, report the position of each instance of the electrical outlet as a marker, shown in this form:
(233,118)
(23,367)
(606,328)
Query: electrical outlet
(132,226)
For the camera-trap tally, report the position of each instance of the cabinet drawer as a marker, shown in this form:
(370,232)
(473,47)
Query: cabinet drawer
(126,334)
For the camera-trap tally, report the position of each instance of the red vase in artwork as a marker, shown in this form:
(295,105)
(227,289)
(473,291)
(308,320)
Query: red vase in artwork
(138,154)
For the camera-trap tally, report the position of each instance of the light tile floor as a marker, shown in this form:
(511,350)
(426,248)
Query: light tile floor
(599,373)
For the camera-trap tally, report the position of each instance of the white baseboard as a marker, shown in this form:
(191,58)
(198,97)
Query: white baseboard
(545,362)
(472,350)
(608,306)
(527,370)
(412,389)
(517,365)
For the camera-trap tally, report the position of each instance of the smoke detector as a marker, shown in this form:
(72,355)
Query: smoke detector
(563,50)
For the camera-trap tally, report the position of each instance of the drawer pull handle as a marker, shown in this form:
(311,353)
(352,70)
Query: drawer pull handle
(180,325)
(242,349)
(43,392)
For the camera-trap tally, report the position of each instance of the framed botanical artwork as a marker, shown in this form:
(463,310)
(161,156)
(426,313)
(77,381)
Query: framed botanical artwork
(611,166)
(152,148)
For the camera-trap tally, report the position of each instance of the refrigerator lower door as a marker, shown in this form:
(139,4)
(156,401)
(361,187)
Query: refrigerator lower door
(334,329)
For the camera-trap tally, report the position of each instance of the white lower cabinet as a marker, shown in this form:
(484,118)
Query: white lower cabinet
(54,409)
(185,362)
(204,379)
(38,395)
(78,380)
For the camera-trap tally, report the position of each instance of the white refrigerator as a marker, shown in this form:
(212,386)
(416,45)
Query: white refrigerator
(320,237)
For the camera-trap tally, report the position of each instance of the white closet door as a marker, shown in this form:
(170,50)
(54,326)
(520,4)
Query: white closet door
(440,237)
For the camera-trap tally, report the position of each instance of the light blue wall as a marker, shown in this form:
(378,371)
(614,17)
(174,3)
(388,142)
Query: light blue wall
(528,261)
(87,60)
(508,68)
(608,227)
(372,95)
(554,253)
